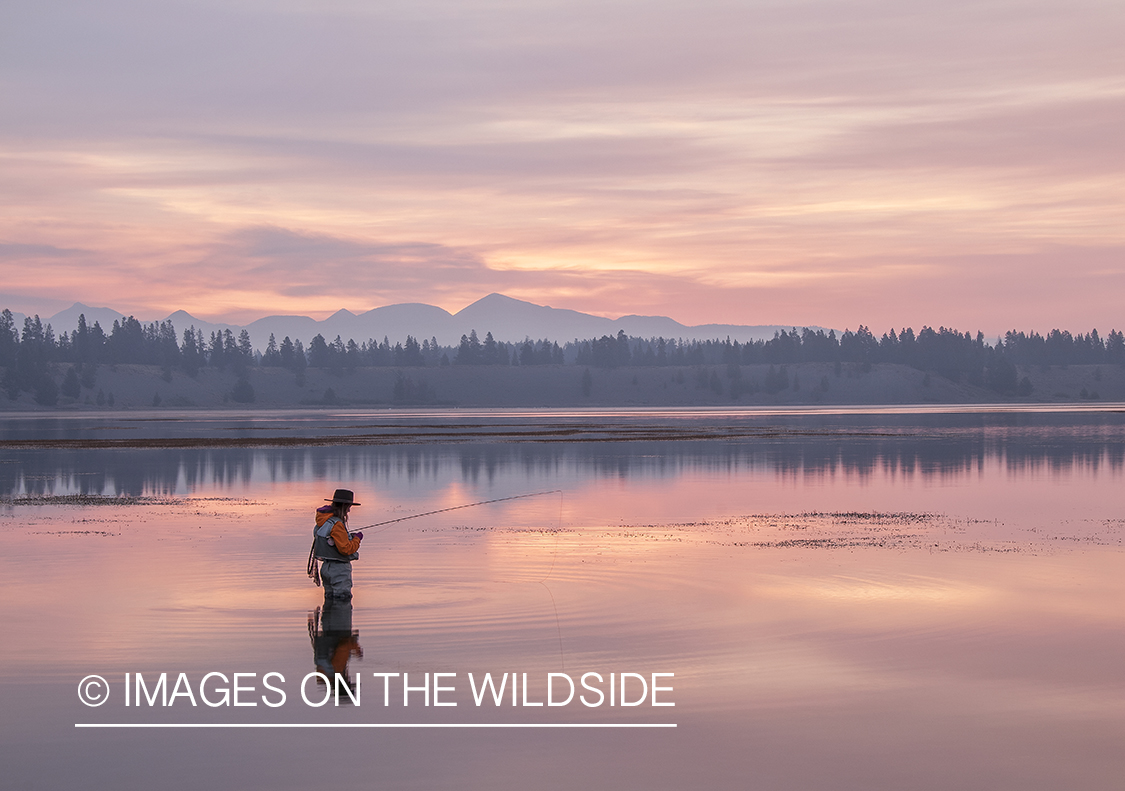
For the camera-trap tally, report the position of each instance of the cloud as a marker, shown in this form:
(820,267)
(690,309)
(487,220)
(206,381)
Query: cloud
(23,252)
(296,264)
(716,157)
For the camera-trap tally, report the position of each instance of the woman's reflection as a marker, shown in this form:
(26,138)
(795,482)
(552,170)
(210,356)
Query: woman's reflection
(334,642)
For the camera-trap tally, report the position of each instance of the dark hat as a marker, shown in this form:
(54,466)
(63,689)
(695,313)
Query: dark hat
(344,496)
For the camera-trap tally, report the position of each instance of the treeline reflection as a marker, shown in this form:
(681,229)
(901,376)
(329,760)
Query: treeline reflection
(138,472)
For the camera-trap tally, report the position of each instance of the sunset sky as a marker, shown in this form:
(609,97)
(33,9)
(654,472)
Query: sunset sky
(823,162)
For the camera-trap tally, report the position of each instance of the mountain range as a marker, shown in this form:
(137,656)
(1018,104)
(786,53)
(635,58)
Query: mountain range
(506,318)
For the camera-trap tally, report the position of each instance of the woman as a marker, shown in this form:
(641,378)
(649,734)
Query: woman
(334,546)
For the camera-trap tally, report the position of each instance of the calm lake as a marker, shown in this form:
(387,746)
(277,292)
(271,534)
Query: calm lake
(867,598)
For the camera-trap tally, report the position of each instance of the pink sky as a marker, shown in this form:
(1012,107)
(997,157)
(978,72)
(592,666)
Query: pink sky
(821,162)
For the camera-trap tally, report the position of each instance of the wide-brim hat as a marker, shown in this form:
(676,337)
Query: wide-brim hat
(343,496)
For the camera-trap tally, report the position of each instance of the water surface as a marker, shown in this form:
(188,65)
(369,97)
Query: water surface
(853,598)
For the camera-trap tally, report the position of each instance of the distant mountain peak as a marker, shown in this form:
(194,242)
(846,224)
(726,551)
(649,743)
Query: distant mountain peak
(67,320)
(494,300)
(507,318)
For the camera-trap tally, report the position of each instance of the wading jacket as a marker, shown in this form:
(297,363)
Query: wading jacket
(331,540)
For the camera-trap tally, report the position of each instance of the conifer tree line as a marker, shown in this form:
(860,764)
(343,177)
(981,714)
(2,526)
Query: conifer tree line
(27,356)
(955,355)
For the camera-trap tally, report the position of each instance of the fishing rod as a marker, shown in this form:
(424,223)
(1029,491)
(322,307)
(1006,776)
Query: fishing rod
(455,508)
(313,567)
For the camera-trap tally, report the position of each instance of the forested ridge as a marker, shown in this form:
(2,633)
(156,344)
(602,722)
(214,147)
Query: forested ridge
(35,360)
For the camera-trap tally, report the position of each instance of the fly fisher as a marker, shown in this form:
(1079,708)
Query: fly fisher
(334,547)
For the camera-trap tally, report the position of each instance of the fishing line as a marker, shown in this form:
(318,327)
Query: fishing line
(543,582)
(554,552)
(455,508)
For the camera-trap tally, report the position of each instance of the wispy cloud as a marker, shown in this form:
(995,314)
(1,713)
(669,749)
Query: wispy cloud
(24,252)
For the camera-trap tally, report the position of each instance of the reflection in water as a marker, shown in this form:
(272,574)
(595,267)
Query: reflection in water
(334,643)
(926,452)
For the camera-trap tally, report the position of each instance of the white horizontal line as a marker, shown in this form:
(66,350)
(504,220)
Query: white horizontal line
(375,725)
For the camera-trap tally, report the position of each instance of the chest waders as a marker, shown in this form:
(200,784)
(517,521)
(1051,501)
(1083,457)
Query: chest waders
(324,549)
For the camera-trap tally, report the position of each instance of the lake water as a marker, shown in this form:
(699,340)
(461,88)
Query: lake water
(926,598)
